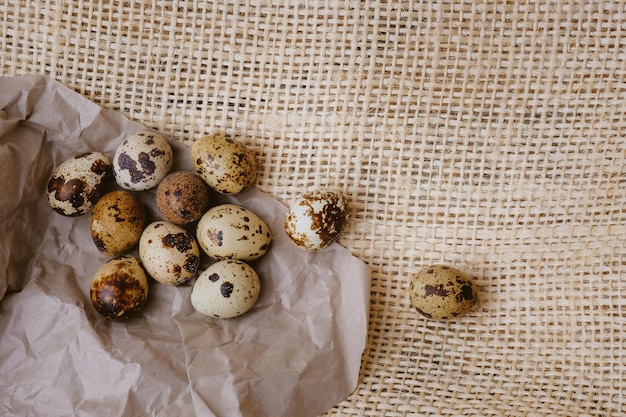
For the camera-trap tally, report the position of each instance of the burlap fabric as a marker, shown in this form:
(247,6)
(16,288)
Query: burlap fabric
(485,135)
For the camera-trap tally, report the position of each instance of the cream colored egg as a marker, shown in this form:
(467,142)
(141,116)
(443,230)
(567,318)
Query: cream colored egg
(77,184)
(441,292)
(169,253)
(225,165)
(226,289)
(119,289)
(142,160)
(316,219)
(229,231)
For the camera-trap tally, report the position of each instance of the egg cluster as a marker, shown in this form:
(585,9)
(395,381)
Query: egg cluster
(231,235)
(169,253)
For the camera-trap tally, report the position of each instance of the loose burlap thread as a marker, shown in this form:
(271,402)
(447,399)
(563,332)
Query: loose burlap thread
(484,135)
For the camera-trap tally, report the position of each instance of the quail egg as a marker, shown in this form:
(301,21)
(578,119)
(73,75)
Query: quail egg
(116,222)
(169,253)
(119,289)
(316,219)
(226,289)
(141,161)
(77,183)
(182,197)
(229,231)
(225,165)
(441,292)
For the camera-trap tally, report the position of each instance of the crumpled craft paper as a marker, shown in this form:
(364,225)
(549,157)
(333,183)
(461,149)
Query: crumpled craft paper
(296,353)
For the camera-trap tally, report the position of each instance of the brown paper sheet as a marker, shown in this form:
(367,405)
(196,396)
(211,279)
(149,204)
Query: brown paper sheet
(296,353)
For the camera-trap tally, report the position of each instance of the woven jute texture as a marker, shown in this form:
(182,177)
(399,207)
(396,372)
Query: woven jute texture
(486,135)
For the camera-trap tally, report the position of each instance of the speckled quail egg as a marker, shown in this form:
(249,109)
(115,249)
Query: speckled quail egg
(441,292)
(142,160)
(116,222)
(225,165)
(316,219)
(119,289)
(182,197)
(169,253)
(226,289)
(229,231)
(78,183)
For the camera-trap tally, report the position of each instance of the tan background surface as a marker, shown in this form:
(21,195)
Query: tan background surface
(486,135)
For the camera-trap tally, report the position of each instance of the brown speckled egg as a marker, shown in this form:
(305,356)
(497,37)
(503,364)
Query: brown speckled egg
(142,160)
(116,222)
(169,253)
(316,219)
(226,289)
(182,197)
(441,292)
(229,231)
(225,165)
(119,289)
(78,183)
